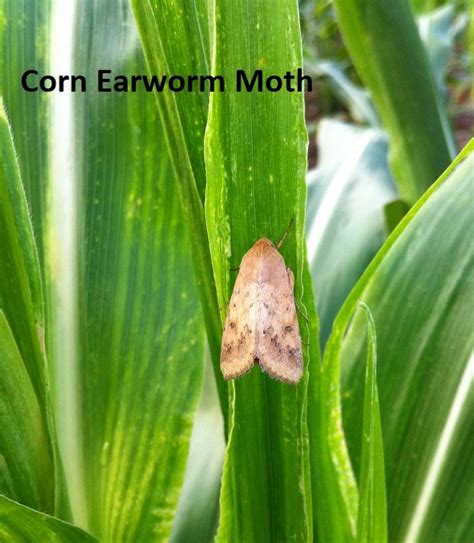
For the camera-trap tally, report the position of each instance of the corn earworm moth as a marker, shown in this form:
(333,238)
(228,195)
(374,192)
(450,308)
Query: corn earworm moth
(262,326)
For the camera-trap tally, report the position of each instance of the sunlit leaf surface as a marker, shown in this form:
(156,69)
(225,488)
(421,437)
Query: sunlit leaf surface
(345,223)
(19,524)
(419,289)
(132,375)
(372,515)
(255,188)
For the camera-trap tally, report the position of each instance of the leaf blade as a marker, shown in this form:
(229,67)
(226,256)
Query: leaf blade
(20,523)
(26,465)
(184,116)
(254,190)
(372,514)
(384,44)
(408,462)
(131,383)
(21,305)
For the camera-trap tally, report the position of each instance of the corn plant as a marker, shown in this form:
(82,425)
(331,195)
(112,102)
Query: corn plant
(123,220)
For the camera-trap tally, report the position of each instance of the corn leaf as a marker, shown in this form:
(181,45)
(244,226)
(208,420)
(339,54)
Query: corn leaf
(255,187)
(372,515)
(22,351)
(451,518)
(422,308)
(129,348)
(26,470)
(20,296)
(383,42)
(175,40)
(24,45)
(198,509)
(437,33)
(345,220)
(355,98)
(19,524)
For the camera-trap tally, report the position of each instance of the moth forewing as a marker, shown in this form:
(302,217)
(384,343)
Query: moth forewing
(262,325)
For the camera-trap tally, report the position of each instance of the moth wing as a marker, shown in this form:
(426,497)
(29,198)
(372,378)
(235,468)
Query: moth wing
(238,339)
(279,341)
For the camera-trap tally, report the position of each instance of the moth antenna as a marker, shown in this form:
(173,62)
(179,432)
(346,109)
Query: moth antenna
(234,269)
(285,235)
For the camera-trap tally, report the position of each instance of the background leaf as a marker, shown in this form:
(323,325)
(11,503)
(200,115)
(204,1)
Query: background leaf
(437,33)
(20,296)
(131,386)
(26,467)
(184,117)
(356,99)
(22,352)
(21,524)
(384,44)
(345,223)
(198,509)
(24,44)
(372,515)
(421,300)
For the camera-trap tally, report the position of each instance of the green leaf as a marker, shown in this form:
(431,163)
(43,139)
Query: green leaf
(355,98)
(394,213)
(175,40)
(129,346)
(26,464)
(335,494)
(255,187)
(419,289)
(372,515)
(345,221)
(383,42)
(22,308)
(20,295)
(451,519)
(437,33)
(19,524)
(198,508)
(24,44)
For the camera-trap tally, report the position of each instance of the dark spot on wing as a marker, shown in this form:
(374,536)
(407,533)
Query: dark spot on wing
(269,330)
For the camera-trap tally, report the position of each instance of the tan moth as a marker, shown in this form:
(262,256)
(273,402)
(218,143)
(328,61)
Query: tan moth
(262,326)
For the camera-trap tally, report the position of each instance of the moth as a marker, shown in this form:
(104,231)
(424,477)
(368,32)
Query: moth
(261,325)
